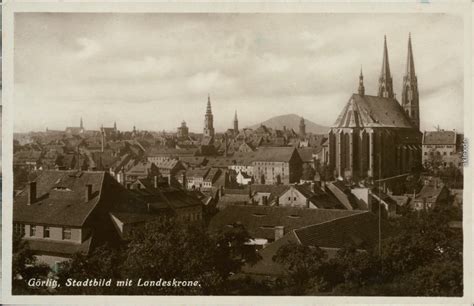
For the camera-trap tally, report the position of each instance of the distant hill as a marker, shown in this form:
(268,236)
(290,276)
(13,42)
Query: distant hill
(292,121)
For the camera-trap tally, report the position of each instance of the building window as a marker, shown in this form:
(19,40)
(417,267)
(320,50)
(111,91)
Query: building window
(46,232)
(32,230)
(444,153)
(426,153)
(294,198)
(19,229)
(66,233)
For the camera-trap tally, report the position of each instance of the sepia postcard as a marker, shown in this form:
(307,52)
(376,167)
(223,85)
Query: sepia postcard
(277,152)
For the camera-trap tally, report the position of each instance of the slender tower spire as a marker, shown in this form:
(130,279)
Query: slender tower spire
(81,124)
(361,89)
(410,97)
(208,119)
(385,80)
(236,123)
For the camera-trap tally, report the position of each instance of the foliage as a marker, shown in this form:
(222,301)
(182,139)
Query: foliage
(302,262)
(25,267)
(164,250)
(422,257)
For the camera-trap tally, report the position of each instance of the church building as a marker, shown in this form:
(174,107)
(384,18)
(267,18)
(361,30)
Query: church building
(208,120)
(376,136)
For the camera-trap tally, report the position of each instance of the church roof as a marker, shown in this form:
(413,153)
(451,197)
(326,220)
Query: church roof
(372,111)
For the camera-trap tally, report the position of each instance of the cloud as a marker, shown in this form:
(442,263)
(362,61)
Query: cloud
(212,81)
(141,65)
(88,48)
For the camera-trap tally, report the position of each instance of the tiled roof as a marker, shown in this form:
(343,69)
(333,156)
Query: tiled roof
(60,198)
(276,154)
(306,154)
(360,229)
(439,138)
(372,111)
(260,221)
(167,164)
(130,218)
(266,265)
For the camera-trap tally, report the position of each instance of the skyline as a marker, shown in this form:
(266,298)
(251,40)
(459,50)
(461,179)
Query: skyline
(98,68)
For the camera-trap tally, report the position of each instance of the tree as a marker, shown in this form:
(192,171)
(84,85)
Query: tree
(103,263)
(302,263)
(170,249)
(25,267)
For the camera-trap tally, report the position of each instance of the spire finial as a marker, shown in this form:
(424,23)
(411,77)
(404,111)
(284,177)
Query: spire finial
(361,88)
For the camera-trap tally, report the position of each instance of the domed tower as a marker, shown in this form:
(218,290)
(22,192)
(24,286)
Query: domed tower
(302,128)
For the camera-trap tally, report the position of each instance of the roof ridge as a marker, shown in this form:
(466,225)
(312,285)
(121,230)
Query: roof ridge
(324,222)
(97,199)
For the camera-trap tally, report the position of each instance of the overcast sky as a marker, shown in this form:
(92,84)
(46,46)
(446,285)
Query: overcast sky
(155,70)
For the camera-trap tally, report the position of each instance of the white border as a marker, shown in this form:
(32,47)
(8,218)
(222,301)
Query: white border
(461,7)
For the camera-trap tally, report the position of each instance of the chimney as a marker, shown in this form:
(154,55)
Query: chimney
(279,232)
(88,192)
(32,193)
(307,203)
(155,182)
(184,180)
(277,201)
(169,180)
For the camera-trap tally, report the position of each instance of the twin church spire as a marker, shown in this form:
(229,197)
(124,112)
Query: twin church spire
(410,97)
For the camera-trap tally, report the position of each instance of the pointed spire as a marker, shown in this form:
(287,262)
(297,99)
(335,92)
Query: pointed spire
(385,80)
(410,69)
(361,89)
(81,124)
(385,64)
(235,116)
(208,109)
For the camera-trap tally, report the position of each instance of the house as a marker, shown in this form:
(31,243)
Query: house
(267,224)
(307,196)
(243,178)
(29,159)
(431,195)
(266,194)
(156,155)
(330,233)
(66,212)
(195,178)
(169,167)
(166,200)
(141,170)
(443,147)
(277,165)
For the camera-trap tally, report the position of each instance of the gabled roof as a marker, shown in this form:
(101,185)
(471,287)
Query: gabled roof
(60,198)
(439,138)
(274,154)
(358,229)
(260,221)
(372,111)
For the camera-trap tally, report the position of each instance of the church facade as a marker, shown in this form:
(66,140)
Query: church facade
(376,136)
